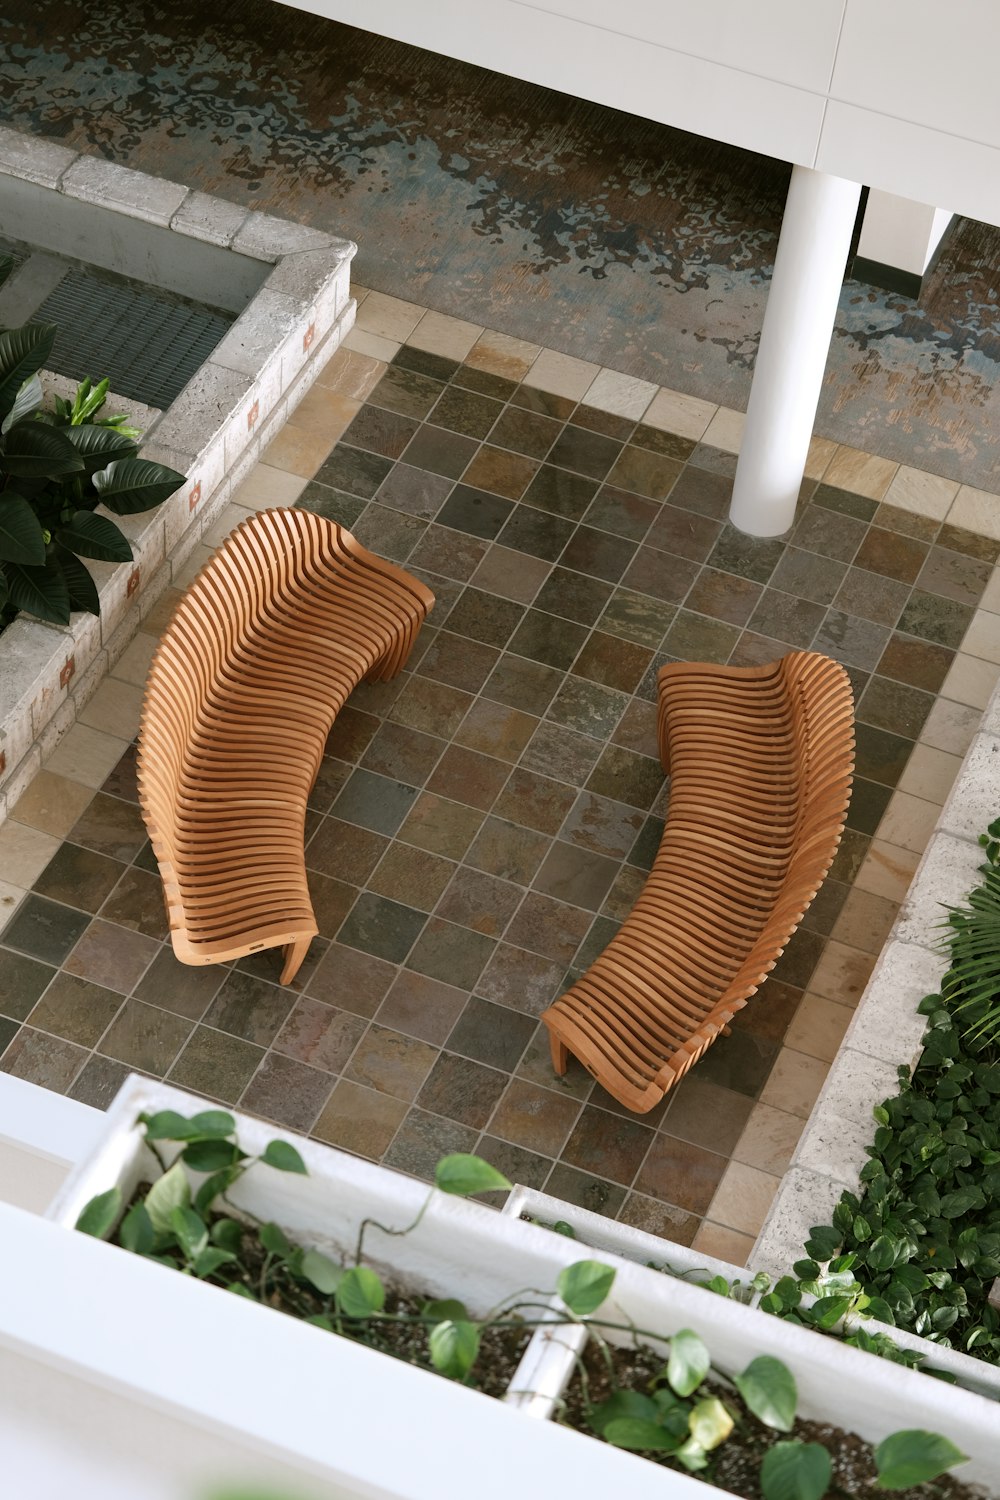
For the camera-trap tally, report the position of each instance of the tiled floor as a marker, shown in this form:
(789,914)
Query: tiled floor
(482,823)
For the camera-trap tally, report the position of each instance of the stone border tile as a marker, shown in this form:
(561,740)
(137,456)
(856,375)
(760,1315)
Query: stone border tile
(976,510)
(32,159)
(562,375)
(213,220)
(620,395)
(136,194)
(861,473)
(452,338)
(726,430)
(923,494)
(673,411)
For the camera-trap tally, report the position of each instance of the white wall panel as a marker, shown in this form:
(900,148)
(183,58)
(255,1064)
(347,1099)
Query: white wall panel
(788,40)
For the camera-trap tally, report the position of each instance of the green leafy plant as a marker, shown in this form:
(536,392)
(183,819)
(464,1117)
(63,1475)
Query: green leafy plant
(185,1220)
(55,469)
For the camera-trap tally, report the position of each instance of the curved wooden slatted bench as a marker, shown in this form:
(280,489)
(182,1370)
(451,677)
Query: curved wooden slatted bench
(760,760)
(263,649)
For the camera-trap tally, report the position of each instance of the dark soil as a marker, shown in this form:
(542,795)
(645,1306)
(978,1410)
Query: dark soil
(735,1465)
(500,1349)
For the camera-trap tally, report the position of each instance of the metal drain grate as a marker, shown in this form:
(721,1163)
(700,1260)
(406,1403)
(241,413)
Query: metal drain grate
(147,343)
(17,256)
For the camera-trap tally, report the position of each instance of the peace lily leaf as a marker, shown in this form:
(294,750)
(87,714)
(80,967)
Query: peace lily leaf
(33,450)
(23,352)
(101,1213)
(136,1232)
(94,536)
(464,1175)
(28,400)
(584,1285)
(913,1457)
(632,1432)
(710,1423)
(168,1192)
(360,1293)
(80,586)
(39,591)
(322,1272)
(688,1363)
(283,1157)
(97,446)
(768,1388)
(795,1471)
(129,485)
(21,538)
(453,1347)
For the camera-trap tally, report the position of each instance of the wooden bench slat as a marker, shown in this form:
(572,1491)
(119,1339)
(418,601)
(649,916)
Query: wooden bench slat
(760,760)
(288,616)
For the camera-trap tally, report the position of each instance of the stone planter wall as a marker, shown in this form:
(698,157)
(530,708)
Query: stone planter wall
(213,433)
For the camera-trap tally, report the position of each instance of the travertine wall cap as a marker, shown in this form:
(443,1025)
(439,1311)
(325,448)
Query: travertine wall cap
(258,333)
(268,238)
(133,193)
(834,1147)
(806,1199)
(886,1023)
(206,403)
(302,276)
(947,873)
(204,217)
(32,159)
(974,801)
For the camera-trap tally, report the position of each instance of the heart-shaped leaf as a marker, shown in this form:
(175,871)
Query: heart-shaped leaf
(710,1423)
(322,1272)
(453,1347)
(463,1175)
(688,1363)
(584,1285)
(283,1157)
(913,1457)
(101,1214)
(213,1122)
(191,1231)
(168,1125)
(768,1388)
(360,1293)
(136,1232)
(211,1155)
(795,1471)
(168,1192)
(632,1432)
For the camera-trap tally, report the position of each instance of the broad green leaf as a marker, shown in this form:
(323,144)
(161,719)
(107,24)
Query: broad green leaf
(283,1157)
(80,585)
(21,537)
(227,1233)
(561,1227)
(688,1363)
(453,1347)
(39,591)
(768,1388)
(584,1285)
(710,1423)
(463,1175)
(913,1457)
(94,536)
(445,1307)
(129,485)
(823,1242)
(136,1232)
(623,1404)
(97,446)
(101,1214)
(167,1193)
(211,1155)
(208,1261)
(32,450)
(320,1320)
(634,1433)
(219,1182)
(213,1122)
(28,400)
(692,1455)
(322,1272)
(23,352)
(168,1125)
(795,1471)
(191,1231)
(275,1240)
(360,1293)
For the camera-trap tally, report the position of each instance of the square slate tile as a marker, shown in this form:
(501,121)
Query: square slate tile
(501,472)
(459,662)
(705,493)
(892,554)
(536,532)
(455,955)
(423,1138)
(380,431)
(479,901)
(22,980)
(624,514)
(421,1007)
(249,1008)
(217,1065)
(684,533)
(645,473)
(491,1034)
(785,618)
(484,617)
(354,471)
(598,553)
(44,929)
(573,595)
(530,432)
(588,707)
(359,1120)
(747,556)
(615,663)
(607,1145)
(287,1092)
(626,777)
(451,554)
(475,511)
(463,1090)
(637,617)
(410,392)
(661,575)
(533,1117)
(145,1038)
(523,684)
(382,927)
(36,1057)
(547,638)
(534,801)
(465,412)
(934,618)
(76,1010)
(374,802)
(808,575)
(391,1063)
(79,877)
(469,777)
(438,366)
(584,452)
(548,927)
(439,451)
(560,752)
(521,980)
(414,491)
(585,1190)
(577,875)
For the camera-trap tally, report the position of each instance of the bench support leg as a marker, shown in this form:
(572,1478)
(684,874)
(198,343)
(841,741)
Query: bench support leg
(294,955)
(560,1054)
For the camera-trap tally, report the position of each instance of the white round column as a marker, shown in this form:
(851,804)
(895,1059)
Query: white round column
(813,247)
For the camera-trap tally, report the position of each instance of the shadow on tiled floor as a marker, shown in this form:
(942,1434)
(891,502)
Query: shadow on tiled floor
(482,823)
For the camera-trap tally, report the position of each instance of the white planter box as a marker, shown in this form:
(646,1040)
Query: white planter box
(463,1249)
